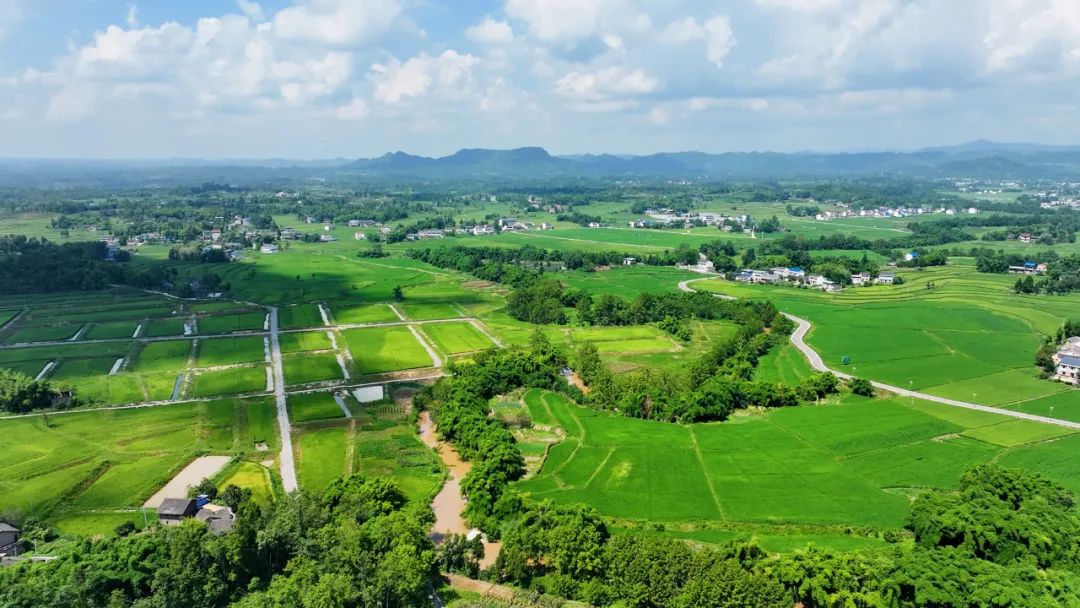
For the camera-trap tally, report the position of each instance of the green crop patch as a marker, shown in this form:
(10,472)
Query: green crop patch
(385,349)
(301,341)
(231,351)
(299,316)
(261,418)
(229,381)
(321,456)
(363,313)
(112,330)
(168,355)
(116,458)
(305,368)
(846,464)
(427,311)
(156,328)
(308,407)
(42,333)
(251,476)
(224,324)
(454,338)
(1012,433)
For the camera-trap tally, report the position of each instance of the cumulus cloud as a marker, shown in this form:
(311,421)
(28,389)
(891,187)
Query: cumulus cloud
(396,81)
(337,22)
(569,21)
(251,10)
(355,109)
(716,32)
(605,84)
(490,31)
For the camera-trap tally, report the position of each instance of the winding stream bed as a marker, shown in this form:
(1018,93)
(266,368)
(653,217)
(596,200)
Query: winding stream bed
(449,502)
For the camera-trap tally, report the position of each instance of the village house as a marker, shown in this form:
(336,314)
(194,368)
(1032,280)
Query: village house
(1028,268)
(886,278)
(9,536)
(862,278)
(327,238)
(911,255)
(1025,237)
(508,223)
(546,226)
(218,519)
(629,261)
(595,225)
(172,511)
(288,233)
(1068,370)
(482,230)
(360,236)
(269,248)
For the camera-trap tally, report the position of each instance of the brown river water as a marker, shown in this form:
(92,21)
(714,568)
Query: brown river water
(449,502)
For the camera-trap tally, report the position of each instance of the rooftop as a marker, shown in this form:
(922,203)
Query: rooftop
(176,506)
(1071,361)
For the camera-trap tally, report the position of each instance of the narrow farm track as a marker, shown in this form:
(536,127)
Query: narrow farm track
(287,464)
(798,338)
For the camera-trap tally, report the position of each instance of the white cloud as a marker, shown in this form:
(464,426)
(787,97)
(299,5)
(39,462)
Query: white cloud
(892,100)
(719,39)
(1021,31)
(606,83)
(132,18)
(396,81)
(490,31)
(336,22)
(806,6)
(71,104)
(251,10)
(716,32)
(356,109)
(682,31)
(569,21)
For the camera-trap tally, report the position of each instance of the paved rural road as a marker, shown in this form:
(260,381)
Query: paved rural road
(287,464)
(798,338)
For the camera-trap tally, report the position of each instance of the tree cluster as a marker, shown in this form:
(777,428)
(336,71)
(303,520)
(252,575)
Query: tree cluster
(358,544)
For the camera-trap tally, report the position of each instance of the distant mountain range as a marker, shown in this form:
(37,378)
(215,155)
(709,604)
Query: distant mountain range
(977,159)
(974,159)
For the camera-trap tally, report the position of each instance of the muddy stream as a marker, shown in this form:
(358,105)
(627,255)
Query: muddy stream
(449,502)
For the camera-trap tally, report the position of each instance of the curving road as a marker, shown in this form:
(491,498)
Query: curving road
(798,338)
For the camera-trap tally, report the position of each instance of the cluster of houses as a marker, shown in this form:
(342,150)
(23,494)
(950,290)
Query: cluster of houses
(173,511)
(669,218)
(1029,268)
(800,277)
(1067,362)
(506,224)
(891,212)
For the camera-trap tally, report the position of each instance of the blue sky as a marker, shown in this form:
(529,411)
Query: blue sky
(328,78)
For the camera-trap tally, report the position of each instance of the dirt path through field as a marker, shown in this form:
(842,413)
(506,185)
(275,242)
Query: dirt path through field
(449,502)
(199,469)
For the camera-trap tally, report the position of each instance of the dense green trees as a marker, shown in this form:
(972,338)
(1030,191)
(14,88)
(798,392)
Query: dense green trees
(20,393)
(359,544)
(459,406)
